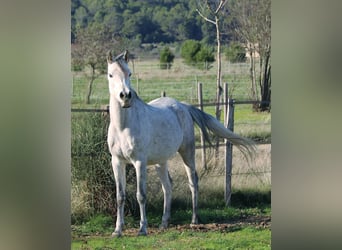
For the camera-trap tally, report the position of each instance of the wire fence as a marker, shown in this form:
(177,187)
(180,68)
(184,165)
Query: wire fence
(256,126)
(179,82)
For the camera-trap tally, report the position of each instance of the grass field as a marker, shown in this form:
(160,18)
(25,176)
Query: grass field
(243,225)
(237,229)
(179,82)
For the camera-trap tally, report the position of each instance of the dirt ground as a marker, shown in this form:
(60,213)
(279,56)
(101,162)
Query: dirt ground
(260,222)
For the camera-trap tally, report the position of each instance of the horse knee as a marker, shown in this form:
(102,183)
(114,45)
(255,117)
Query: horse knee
(193,182)
(141,198)
(120,199)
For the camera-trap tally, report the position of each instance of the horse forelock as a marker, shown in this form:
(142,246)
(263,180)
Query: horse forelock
(123,66)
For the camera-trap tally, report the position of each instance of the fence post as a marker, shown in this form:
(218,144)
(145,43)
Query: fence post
(138,90)
(200,103)
(229,123)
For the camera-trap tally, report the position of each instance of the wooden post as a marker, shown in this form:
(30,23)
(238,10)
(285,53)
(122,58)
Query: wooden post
(229,123)
(200,102)
(163,93)
(138,90)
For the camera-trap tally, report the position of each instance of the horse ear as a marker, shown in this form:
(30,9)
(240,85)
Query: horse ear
(125,56)
(110,57)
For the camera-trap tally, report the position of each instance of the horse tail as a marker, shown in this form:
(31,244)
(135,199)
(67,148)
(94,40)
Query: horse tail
(208,123)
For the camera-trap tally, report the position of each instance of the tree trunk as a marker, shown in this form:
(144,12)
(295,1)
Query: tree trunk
(90,85)
(218,84)
(218,76)
(265,84)
(253,76)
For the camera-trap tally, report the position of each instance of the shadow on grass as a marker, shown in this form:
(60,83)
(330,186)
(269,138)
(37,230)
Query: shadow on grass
(212,209)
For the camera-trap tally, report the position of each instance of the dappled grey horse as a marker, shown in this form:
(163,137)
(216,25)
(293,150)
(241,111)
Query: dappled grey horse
(149,134)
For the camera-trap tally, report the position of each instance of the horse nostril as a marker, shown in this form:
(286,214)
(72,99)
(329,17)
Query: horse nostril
(124,95)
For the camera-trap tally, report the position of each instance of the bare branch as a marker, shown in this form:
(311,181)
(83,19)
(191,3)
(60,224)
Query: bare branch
(205,18)
(222,3)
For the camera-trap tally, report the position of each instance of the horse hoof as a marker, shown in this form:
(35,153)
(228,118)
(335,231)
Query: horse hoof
(163,226)
(142,233)
(116,234)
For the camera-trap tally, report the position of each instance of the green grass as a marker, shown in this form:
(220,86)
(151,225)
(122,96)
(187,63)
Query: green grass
(180,82)
(223,228)
(244,238)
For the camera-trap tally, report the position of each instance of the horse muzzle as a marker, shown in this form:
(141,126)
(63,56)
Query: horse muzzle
(126,98)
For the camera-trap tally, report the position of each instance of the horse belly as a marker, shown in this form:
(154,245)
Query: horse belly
(164,145)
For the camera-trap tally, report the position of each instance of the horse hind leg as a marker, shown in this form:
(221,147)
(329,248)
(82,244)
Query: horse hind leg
(163,173)
(188,156)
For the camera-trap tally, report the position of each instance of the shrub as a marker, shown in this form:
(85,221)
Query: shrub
(235,53)
(193,52)
(189,50)
(166,58)
(93,184)
(206,56)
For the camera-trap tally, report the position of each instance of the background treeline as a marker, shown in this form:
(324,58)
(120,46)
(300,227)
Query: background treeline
(152,21)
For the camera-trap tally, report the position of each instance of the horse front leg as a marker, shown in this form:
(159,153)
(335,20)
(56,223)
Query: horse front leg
(120,180)
(140,168)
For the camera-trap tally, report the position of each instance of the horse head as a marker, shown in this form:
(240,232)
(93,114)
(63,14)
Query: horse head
(119,79)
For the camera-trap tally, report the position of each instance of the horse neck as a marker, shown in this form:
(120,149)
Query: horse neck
(122,118)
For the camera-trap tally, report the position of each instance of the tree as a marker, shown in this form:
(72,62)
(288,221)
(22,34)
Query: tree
(89,51)
(166,58)
(235,53)
(210,11)
(252,20)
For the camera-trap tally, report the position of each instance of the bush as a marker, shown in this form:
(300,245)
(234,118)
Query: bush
(189,50)
(206,56)
(166,58)
(235,53)
(93,184)
(193,52)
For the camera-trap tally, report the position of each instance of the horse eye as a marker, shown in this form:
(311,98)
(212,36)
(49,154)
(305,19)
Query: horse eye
(110,75)
(129,74)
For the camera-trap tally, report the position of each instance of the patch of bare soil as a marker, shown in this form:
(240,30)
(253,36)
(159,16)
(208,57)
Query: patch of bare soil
(260,222)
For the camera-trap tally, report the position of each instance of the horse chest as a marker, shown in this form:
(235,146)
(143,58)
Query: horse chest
(124,145)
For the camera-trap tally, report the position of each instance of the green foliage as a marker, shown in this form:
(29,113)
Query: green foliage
(194,52)
(90,166)
(91,47)
(189,50)
(154,21)
(89,51)
(166,58)
(92,176)
(235,53)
